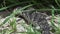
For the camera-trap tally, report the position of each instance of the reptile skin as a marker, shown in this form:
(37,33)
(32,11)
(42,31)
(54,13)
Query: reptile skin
(37,19)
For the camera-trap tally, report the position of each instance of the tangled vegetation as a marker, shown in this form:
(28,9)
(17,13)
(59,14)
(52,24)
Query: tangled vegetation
(51,7)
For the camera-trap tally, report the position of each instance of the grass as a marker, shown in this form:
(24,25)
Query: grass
(17,11)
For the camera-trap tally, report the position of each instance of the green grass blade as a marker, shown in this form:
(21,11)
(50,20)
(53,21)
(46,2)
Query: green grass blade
(4,8)
(57,3)
(14,13)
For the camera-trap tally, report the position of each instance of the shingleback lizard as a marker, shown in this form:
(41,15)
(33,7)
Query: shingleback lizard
(37,19)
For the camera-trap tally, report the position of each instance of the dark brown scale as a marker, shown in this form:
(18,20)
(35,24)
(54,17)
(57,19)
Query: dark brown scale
(37,18)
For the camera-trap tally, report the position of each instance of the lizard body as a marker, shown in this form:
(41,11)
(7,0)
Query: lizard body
(37,19)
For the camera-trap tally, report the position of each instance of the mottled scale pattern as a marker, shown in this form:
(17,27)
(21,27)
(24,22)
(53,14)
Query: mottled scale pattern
(37,19)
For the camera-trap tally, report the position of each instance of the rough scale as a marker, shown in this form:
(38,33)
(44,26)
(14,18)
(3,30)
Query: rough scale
(37,19)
